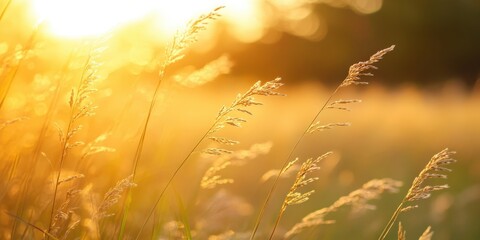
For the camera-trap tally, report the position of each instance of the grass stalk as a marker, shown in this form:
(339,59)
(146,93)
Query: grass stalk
(242,100)
(10,77)
(418,191)
(392,221)
(4,10)
(66,138)
(285,163)
(40,140)
(174,53)
(138,154)
(159,198)
(45,233)
(355,72)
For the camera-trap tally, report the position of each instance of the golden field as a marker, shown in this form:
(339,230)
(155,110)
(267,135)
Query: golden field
(108,137)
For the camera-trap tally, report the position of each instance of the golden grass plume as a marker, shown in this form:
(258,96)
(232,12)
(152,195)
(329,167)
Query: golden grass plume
(438,163)
(358,199)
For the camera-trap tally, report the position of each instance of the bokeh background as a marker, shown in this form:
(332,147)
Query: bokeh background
(424,97)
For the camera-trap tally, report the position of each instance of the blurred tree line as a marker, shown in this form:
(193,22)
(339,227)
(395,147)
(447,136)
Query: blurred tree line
(437,41)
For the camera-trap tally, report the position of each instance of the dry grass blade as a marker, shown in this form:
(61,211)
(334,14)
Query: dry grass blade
(8,2)
(340,104)
(188,35)
(10,122)
(354,74)
(174,52)
(287,172)
(216,151)
(427,234)
(401,232)
(80,106)
(245,100)
(32,225)
(206,74)
(418,191)
(294,196)
(358,199)
(112,196)
(242,100)
(317,127)
(360,69)
(71,178)
(223,236)
(65,217)
(436,164)
(211,178)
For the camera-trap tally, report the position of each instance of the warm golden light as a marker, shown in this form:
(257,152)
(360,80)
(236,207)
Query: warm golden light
(172,15)
(83,18)
(80,18)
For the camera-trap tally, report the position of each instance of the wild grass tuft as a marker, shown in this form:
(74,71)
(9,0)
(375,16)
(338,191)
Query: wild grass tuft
(356,71)
(223,119)
(81,106)
(418,191)
(357,199)
(66,189)
(212,178)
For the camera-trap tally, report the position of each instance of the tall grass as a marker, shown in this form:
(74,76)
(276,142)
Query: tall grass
(50,190)
(355,73)
(174,52)
(418,191)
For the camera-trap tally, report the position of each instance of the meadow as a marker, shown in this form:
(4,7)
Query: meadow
(116,137)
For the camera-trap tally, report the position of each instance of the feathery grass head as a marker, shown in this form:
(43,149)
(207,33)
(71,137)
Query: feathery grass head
(291,168)
(112,196)
(357,70)
(245,100)
(188,35)
(248,99)
(341,104)
(240,105)
(223,236)
(357,199)
(402,234)
(438,163)
(317,127)
(207,73)
(65,218)
(212,179)
(418,191)
(10,122)
(427,234)
(301,180)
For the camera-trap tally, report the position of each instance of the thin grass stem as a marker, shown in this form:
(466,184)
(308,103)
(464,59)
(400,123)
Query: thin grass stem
(159,198)
(39,143)
(64,153)
(392,220)
(277,177)
(9,79)
(4,10)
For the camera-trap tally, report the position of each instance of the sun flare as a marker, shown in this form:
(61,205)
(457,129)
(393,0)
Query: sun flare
(84,18)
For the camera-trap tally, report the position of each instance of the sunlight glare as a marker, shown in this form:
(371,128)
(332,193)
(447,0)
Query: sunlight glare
(82,18)
(85,18)
(172,15)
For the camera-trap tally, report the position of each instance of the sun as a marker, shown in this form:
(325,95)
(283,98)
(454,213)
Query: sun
(84,18)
